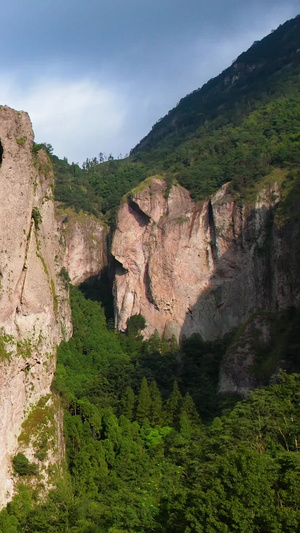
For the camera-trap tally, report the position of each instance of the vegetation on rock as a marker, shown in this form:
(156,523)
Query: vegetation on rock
(23,467)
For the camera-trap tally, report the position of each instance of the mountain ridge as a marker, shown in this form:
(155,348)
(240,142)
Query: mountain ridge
(241,143)
(271,51)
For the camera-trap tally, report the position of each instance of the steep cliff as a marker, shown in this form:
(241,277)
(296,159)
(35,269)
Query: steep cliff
(34,309)
(84,239)
(199,268)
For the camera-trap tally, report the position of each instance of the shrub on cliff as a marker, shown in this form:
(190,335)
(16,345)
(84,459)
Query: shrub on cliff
(37,217)
(23,467)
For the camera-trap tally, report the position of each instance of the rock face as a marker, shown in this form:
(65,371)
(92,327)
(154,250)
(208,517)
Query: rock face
(85,241)
(34,309)
(198,268)
(239,367)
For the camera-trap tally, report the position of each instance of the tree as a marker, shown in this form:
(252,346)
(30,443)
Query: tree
(37,217)
(156,404)
(135,324)
(48,147)
(23,467)
(153,344)
(144,402)
(173,405)
(189,408)
(128,403)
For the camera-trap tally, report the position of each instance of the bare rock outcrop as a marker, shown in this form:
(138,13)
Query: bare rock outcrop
(198,268)
(84,239)
(34,308)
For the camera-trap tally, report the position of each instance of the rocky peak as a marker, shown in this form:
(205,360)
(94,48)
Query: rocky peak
(197,268)
(34,309)
(84,240)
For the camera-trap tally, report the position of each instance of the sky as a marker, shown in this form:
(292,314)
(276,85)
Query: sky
(95,75)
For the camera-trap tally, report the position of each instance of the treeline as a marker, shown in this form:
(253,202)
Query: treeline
(242,151)
(96,188)
(142,457)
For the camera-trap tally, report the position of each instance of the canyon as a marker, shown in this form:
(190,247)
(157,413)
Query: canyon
(188,267)
(149,315)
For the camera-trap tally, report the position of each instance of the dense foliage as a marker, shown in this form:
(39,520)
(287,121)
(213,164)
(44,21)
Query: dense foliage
(98,187)
(242,153)
(140,458)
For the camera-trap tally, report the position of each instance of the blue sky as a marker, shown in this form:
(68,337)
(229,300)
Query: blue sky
(95,75)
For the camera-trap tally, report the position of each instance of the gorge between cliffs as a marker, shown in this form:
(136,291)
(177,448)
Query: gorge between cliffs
(188,268)
(150,316)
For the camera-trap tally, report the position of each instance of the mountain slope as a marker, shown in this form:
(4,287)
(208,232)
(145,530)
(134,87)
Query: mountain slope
(253,78)
(237,127)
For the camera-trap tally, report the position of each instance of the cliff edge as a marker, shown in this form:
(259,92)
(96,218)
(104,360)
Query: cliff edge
(34,308)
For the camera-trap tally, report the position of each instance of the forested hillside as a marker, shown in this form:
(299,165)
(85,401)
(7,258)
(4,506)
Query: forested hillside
(269,68)
(141,458)
(237,128)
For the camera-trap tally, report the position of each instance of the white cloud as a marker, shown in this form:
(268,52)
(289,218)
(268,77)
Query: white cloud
(110,107)
(79,119)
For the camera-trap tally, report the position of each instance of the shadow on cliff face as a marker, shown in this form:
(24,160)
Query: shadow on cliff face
(142,218)
(254,286)
(99,288)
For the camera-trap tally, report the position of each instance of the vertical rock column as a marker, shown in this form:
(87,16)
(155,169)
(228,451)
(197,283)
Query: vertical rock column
(34,309)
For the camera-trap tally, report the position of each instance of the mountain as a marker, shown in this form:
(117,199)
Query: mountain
(213,240)
(237,127)
(203,245)
(34,309)
(197,234)
(270,68)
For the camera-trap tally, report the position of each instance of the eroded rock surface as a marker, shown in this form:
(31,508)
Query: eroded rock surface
(34,308)
(85,241)
(198,268)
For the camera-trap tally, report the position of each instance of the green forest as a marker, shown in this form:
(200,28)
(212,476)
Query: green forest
(150,444)
(145,452)
(243,154)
